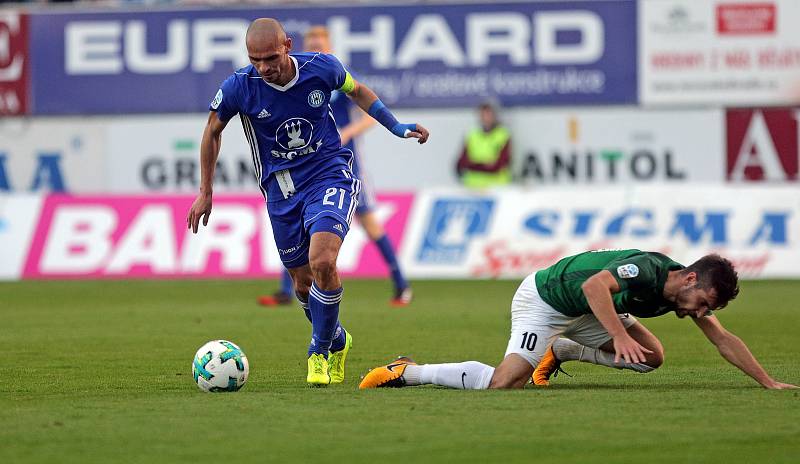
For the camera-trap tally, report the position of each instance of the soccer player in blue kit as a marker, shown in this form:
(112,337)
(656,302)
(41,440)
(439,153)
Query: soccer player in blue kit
(303,171)
(317,39)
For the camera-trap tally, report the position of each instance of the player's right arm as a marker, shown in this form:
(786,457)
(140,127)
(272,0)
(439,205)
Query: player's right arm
(209,152)
(734,350)
(598,290)
(223,107)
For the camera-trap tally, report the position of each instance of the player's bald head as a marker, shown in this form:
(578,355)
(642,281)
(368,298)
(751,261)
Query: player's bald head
(268,50)
(265,32)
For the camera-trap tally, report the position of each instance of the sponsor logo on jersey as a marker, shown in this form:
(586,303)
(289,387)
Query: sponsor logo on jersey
(338,227)
(628,271)
(264,114)
(316,98)
(217,99)
(294,135)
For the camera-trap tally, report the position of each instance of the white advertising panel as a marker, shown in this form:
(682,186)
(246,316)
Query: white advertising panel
(52,155)
(727,52)
(161,154)
(514,232)
(19,215)
(617,146)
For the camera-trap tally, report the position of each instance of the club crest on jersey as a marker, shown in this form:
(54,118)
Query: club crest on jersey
(217,99)
(316,98)
(294,136)
(628,271)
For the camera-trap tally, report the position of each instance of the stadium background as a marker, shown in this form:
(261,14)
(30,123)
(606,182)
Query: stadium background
(663,125)
(669,125)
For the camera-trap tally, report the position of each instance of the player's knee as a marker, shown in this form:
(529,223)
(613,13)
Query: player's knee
(323,264)
(302,289)
(503,381)
(656,359)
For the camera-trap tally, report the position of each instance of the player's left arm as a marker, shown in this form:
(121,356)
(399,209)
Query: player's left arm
(734,350)
(368,101)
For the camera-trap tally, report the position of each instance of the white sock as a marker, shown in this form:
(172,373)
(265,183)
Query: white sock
(469,375)
(568,350)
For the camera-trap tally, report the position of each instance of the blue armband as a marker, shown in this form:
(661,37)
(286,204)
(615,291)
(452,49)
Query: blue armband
(381,113)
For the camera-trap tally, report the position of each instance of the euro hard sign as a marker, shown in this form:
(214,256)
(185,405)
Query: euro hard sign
(429,55)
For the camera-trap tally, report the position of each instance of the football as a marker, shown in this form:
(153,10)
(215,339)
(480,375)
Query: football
(220,366)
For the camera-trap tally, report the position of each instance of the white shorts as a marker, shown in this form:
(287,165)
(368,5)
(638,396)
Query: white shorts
(535,325)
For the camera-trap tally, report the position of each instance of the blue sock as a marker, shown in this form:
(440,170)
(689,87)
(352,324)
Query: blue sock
(339,335)
(286,283)
(324,308)
(387,251)
(339,338)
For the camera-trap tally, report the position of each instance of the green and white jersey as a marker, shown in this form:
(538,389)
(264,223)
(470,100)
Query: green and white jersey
(641,276)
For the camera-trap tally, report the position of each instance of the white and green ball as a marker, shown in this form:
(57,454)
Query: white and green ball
(220,366)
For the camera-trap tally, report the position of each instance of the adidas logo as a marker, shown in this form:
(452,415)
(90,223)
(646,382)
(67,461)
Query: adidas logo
(338,227)
(264,114)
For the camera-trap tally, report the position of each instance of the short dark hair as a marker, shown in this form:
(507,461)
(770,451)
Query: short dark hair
(714,271)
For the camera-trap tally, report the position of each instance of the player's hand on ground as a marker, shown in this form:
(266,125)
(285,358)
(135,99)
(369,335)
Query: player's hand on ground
(780,386)
(200,208)
(420,133)
(629,349)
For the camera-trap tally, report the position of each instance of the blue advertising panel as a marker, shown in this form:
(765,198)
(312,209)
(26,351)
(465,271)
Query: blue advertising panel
(451,55)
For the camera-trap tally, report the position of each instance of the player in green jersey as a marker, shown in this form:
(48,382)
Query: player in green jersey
(584,308)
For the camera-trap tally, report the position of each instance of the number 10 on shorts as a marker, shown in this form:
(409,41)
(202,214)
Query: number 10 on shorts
(528,341)
(331,192)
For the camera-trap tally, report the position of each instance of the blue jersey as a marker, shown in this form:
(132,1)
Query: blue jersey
(341,107)
(290,128)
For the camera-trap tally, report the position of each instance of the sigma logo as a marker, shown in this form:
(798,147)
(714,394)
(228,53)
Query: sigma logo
(294,135)
(316,98)
(452,226)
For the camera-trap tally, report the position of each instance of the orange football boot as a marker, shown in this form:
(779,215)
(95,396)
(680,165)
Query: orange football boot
(390,375)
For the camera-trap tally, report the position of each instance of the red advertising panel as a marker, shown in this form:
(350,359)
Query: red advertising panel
(13,63)
(746,18)
(762,144)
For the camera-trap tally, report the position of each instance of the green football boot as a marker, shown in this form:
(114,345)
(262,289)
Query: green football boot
(318,371)
(337,359)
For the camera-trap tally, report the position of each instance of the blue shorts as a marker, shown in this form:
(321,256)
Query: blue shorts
(325,205)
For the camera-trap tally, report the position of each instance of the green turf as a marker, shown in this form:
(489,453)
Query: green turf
(101,372)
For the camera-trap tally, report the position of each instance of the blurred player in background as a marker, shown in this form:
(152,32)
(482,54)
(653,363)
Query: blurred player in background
(316,40)
(485,160)
(304,173)
(591,299)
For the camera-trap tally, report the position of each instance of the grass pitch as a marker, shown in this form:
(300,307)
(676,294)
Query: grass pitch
(101,372)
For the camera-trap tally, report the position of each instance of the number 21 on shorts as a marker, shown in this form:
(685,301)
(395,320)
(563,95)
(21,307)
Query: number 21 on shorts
(331,192)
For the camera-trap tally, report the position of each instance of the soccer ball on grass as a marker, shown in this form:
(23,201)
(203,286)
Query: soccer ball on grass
(220,366)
